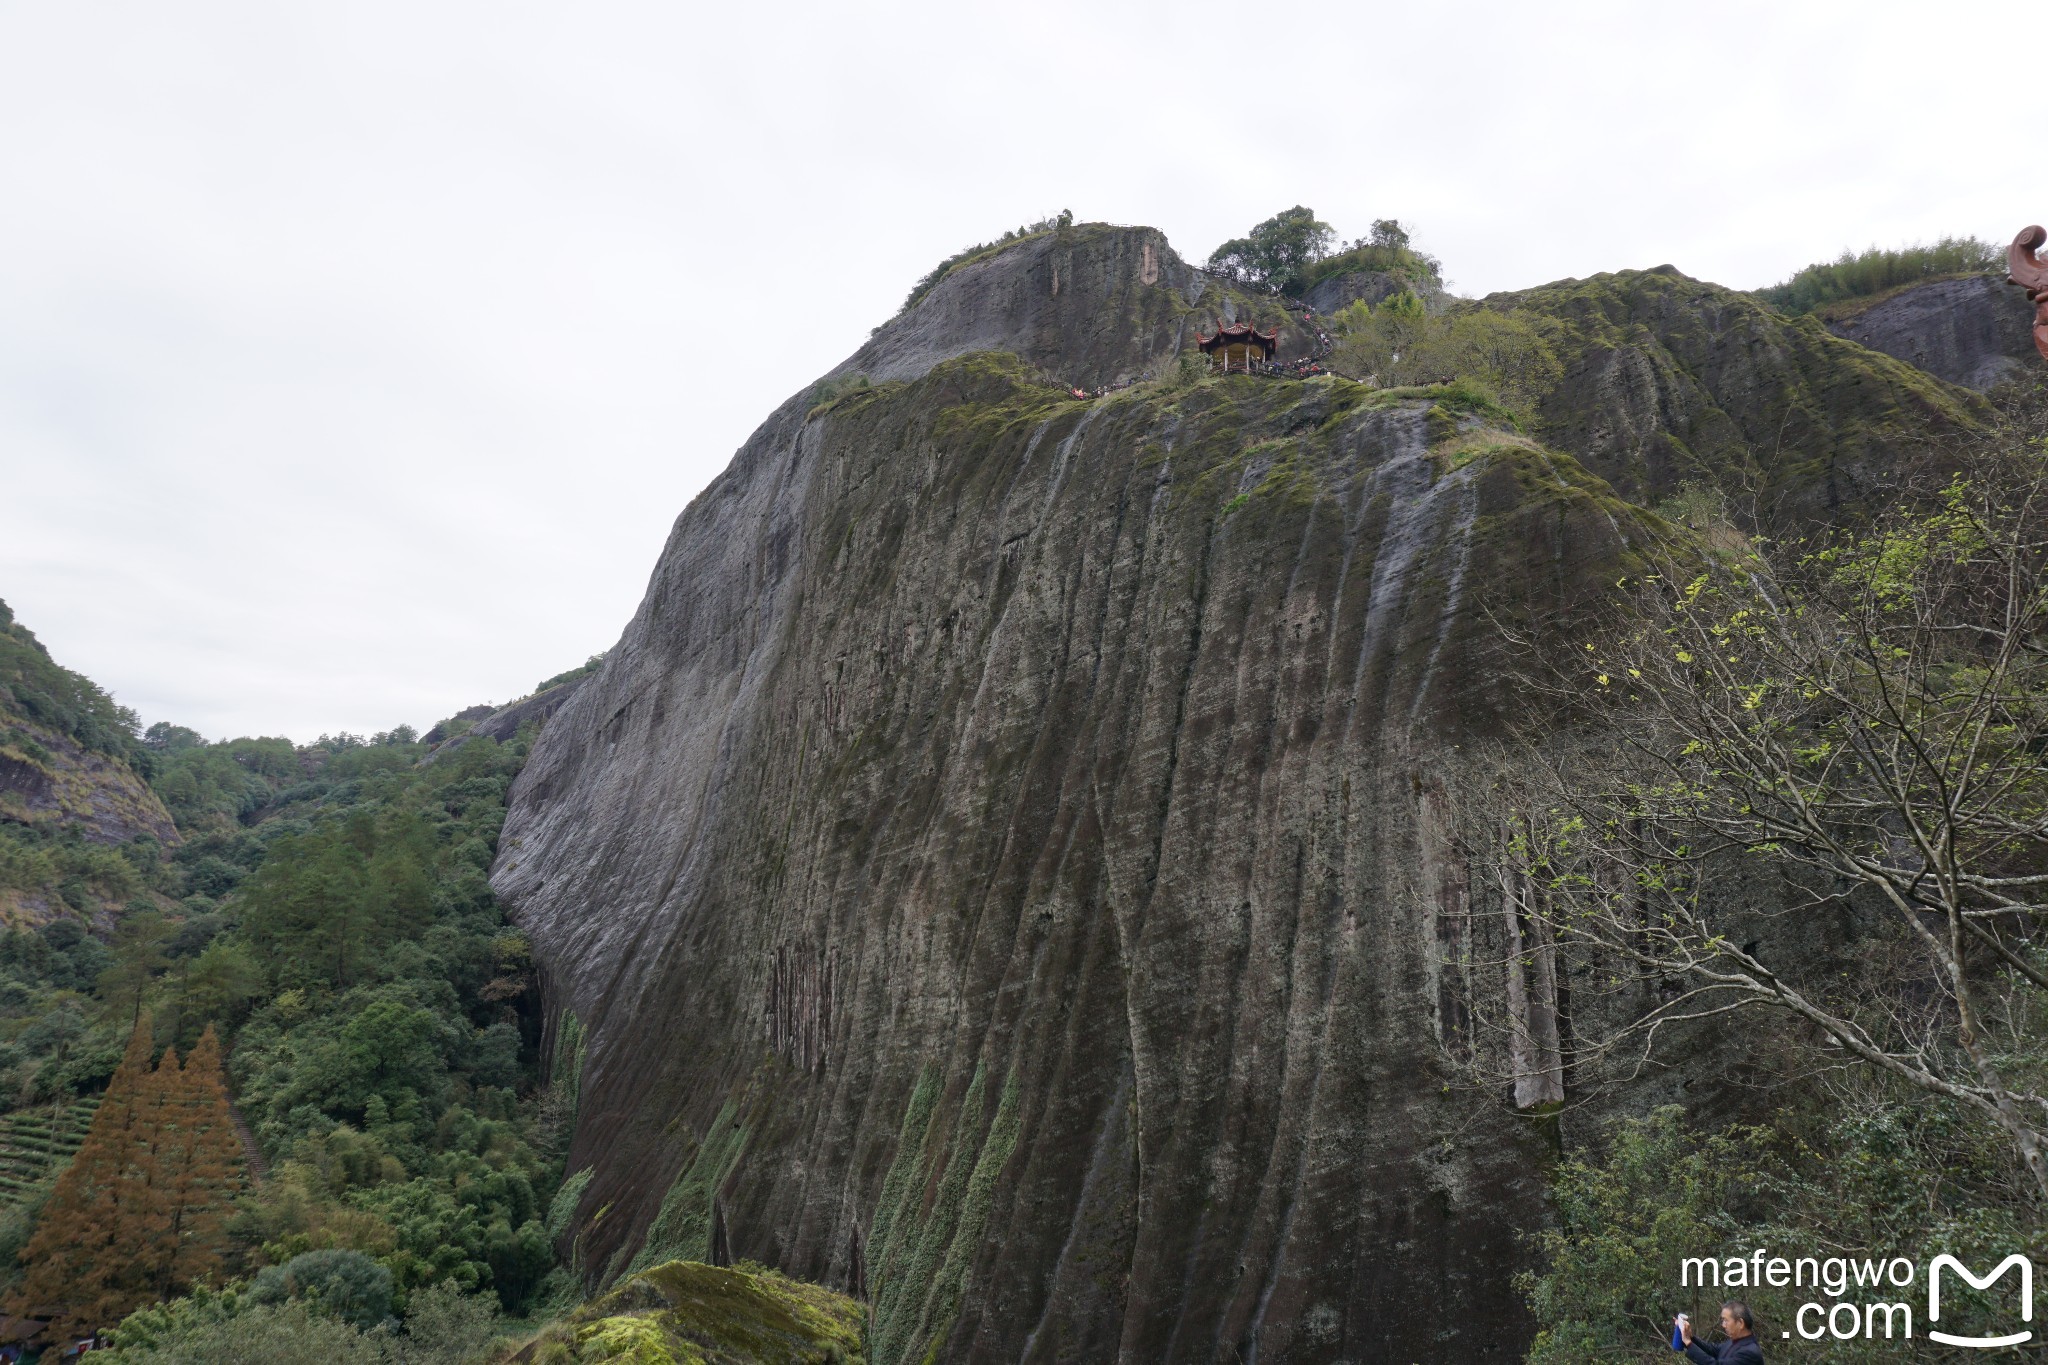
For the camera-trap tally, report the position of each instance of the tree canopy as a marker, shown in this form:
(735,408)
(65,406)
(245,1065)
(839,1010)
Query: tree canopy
(1864,274)
(1278,251)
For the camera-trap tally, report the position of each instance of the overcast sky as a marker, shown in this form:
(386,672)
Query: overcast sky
(355,358)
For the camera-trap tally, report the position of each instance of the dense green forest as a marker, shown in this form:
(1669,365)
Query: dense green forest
(316,938)
(325,913)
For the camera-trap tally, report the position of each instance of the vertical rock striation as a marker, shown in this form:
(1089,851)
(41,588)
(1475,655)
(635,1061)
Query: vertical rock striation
(1006,863)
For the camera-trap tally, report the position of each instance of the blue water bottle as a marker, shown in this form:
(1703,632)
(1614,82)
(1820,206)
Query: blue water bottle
(1678,1333)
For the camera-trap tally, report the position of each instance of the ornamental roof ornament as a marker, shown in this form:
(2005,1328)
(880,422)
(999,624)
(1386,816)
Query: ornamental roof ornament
(2030,273)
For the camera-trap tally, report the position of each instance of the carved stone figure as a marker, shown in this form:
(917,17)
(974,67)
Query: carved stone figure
(2027,270)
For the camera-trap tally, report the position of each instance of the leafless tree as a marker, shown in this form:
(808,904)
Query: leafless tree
(1860,724)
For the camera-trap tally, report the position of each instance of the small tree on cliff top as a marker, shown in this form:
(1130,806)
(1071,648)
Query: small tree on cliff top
(1277,251)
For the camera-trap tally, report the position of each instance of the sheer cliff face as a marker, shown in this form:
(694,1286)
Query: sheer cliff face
(1975,330)
(1004,866)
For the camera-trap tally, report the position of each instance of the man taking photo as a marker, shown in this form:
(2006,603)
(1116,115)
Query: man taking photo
(1737,1325)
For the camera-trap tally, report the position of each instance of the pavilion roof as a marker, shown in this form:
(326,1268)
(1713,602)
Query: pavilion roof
(1239,334)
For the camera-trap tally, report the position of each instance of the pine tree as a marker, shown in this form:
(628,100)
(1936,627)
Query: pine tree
(153,1161)
(209,1172)
(80,1259)
(140,1214)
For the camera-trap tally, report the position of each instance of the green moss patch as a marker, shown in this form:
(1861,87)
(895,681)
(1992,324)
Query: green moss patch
(688,1313)
(682,1227)
(1668,380)
(935,1206)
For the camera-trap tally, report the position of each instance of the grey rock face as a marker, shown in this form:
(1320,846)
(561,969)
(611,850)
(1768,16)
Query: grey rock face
(99,797)
(459,723)
(1972,332)
(1089,306)
(1007,861)
(1374,286)
(1086,807)
(504,723)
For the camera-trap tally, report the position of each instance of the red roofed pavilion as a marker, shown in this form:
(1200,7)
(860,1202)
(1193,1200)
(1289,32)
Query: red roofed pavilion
(1239,346)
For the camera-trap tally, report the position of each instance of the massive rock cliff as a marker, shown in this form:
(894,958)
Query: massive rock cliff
(1005,867)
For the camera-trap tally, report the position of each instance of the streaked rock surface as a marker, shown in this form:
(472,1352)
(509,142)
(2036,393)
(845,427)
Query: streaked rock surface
(1007,864)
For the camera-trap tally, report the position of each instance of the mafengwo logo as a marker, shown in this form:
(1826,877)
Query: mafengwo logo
(1873,1299)
(2012,1262)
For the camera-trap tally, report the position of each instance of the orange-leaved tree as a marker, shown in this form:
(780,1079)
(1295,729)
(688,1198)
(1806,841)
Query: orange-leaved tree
(80,1254)
(205,1173)
(139,1214)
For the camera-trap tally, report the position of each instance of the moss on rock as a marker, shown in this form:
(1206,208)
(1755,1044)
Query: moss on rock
(682,1229)
(1669,379)
(688,1313)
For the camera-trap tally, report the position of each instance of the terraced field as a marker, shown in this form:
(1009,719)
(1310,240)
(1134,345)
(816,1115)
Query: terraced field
(34,1143)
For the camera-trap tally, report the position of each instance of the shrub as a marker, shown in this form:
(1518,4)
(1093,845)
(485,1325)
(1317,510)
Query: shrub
(1860,274)
(444,1326)
(1857,1175)
(346,1284)
(1399,344)
(285,1334)
(826,390)
(582,670)
(1625,1219)
(1388,250)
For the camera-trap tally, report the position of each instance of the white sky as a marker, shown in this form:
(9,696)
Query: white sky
(353,357)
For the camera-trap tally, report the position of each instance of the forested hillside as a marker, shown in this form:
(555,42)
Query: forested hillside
(322,910)
(1084,849)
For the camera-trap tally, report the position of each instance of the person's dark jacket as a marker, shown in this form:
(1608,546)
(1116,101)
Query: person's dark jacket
(1743,1352)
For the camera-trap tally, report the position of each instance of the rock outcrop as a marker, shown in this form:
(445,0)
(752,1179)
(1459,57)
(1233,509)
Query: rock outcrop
(688,1313)
(1334,292)
(49,779)
(1973,330)
(1003,867)
(63,747)
(1670,380)
(502,723)
(1089,306)
(505,722)
(457,724)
